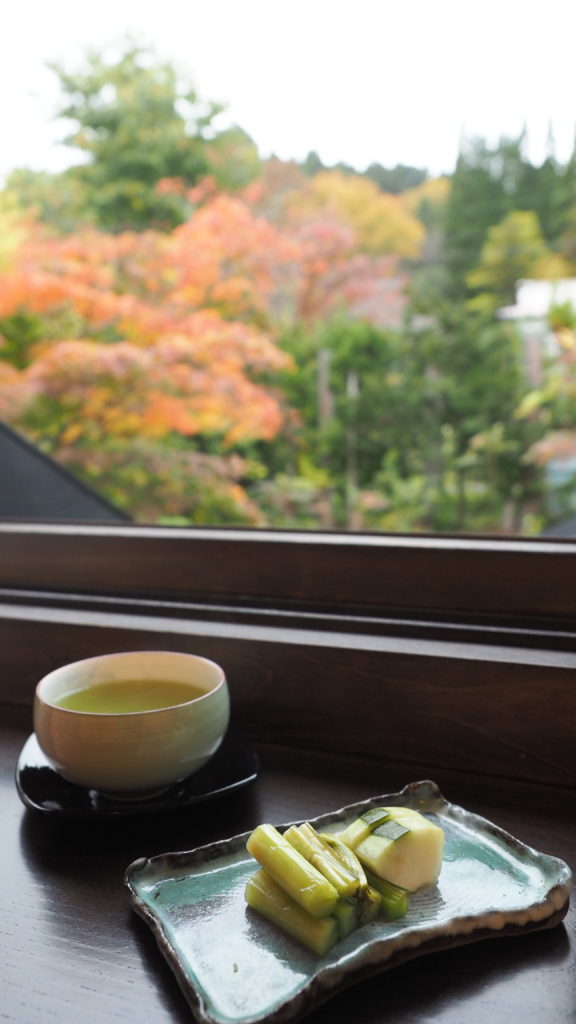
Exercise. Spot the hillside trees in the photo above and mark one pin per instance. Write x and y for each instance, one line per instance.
(394, 180)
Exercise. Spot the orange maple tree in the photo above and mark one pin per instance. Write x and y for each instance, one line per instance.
(154, 348)
(148, 336)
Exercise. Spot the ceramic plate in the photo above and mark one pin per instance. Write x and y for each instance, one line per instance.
(41, 788)
(234, 966)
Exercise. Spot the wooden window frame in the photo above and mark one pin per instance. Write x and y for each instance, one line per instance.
(457, 579)
(436, 653)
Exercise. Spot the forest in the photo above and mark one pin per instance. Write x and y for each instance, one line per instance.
(206, 336)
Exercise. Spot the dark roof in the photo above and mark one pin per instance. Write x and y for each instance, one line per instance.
(34, 486)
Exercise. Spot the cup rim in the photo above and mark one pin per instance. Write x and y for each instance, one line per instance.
(124, 714)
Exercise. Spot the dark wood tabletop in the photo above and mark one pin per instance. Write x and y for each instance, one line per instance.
(72, 949)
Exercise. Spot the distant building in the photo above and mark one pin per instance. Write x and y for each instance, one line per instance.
(534, 300)
(530, 313)
(33, 486)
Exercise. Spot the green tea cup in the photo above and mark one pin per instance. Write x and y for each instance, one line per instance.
(131, 722)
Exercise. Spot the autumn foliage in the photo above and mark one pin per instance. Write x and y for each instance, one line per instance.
(138, 339)
(158, 336)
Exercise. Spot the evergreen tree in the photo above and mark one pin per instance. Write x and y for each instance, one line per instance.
(483, 183)
(488, 184)
(138, 124)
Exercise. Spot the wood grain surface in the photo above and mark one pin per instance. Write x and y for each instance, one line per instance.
(72, 950)
(486, 710)
(452, 576)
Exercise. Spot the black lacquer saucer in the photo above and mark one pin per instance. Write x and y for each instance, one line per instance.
(40, 788)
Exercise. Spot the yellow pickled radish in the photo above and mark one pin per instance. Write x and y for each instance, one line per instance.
(411, 857)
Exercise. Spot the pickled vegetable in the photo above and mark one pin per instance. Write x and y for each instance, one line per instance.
(300, 879)
(361, 827)
(393, 899)
(320, 887)
(406, 849)
(307, 841)
(273, 902)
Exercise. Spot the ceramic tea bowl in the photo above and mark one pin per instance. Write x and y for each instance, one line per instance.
(134, 751)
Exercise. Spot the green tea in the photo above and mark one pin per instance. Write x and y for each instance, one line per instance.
(127, 695)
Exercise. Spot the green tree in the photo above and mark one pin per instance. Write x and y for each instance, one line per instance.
(405, 429)
(411, 429)
(489, 183)
(343, 396)
(483, 182)
(459, 457)
(137, 124)
(568, 240)
(513, 249)
(549, 190)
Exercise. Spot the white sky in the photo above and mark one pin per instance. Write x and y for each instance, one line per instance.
(394, 81)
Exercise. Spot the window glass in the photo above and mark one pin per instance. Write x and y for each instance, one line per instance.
(304, 266)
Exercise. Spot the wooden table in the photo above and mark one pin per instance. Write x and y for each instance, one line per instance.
(72, 950)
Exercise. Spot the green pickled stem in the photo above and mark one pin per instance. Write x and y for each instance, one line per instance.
(295, 837)
(344, 883)
(301, 880)
(346, 914)
(266, 897)
(369, 905)
(346, 857)
(394, 900)
(310, 836)
(306, 841)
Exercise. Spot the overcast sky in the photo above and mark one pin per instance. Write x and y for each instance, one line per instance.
(356, 80)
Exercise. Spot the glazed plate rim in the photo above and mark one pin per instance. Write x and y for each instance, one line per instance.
(379, 953)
